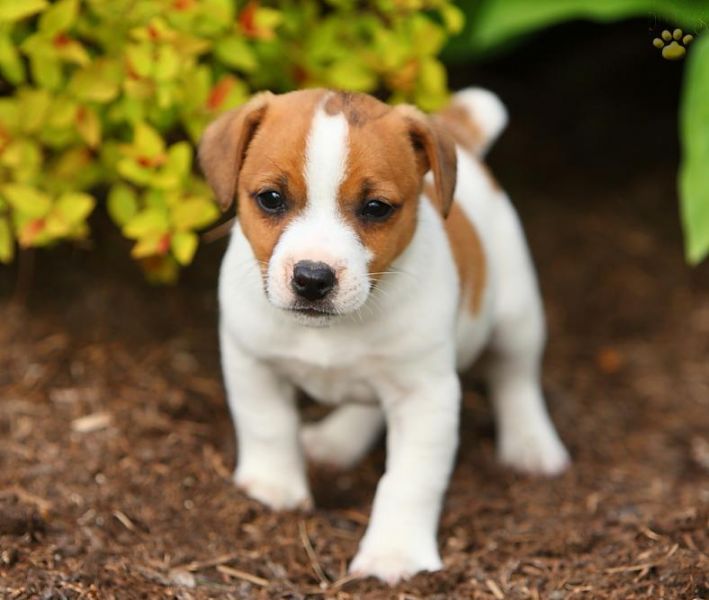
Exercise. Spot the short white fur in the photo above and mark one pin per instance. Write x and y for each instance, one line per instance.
(325, 161)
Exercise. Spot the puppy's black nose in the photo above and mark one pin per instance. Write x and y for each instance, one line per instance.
(312, 280)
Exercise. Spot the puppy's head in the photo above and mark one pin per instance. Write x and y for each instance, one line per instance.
(327, 187)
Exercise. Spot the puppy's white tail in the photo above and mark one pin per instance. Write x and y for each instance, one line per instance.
(475, 118)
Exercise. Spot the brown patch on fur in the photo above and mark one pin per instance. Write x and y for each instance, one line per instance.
(359, 109)
(468, 254)
(224, 145)
(275, 161)
(382, 164)
(390, 151)
(456, 120)
(435, 151)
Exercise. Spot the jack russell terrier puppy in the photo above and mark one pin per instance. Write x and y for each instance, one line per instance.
(362, 271)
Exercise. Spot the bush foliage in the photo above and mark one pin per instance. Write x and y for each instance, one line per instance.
(103, 100)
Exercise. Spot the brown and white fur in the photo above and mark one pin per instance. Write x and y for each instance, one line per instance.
(416, 297)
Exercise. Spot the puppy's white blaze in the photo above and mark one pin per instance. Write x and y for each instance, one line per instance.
(320, 233)
(325, 161)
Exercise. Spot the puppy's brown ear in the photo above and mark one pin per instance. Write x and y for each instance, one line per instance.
(224, 144)
(435, 151)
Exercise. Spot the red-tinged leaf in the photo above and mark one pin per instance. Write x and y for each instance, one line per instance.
(183, 4)
(247, 19)
(153, 32)
(31, 230)
(300, 75)
(160, 269)
(220, 92)
(164, 244)
(60, 40)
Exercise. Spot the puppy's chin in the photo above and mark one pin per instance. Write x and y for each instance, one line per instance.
(313, 319)
(320, 314)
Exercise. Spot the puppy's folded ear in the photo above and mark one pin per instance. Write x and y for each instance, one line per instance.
(224, 144)
(435, 152)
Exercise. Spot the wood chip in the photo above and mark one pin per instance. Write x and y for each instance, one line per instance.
(495, 589)
(238, 574)
(212, 562)
(310, 551)
(44, 506)
(92, 422)
(182, 578)
(127, 523)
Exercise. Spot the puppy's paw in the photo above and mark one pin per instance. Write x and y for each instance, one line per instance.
(535, 451)
(321, 446)
(284, 493)
(392, 564)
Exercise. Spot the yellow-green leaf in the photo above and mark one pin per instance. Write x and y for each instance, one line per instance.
(59, 17)
(27, 200)
(10, 62)
(179, 158)
(133, 172)
(266, 20)
(89, 126)
(147, 141)
(74, 207)
(62, 112)
(46, 71)
(184, 245)
(194, 213)
(350, 74)
(122, 203)
(148, 222)
(140, 58)
(35, 104)
(235, 52)
(167, 63)
(14, 10)
(73, 52)
(453, 18)
(22, 156)
(7, 242)
(97, 82)
(151, 244)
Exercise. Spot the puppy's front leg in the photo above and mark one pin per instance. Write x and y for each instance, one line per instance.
(422, 436)
(271, 467)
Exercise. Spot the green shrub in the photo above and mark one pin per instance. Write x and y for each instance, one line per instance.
(103, 100)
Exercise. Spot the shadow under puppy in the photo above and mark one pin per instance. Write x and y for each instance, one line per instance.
(352, 274)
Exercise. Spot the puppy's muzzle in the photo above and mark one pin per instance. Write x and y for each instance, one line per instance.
(313, 281)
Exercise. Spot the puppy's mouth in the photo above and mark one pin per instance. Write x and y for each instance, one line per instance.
(314, 310)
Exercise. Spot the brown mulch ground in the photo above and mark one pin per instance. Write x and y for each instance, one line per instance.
(116, 446)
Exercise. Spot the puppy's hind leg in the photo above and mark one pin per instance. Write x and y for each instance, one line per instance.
(526, 438)
(343, 437)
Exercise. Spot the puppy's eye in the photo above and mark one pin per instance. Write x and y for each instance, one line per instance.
(376, 210)
(271, 202)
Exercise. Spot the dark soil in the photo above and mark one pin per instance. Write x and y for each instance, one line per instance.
(135, 501)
